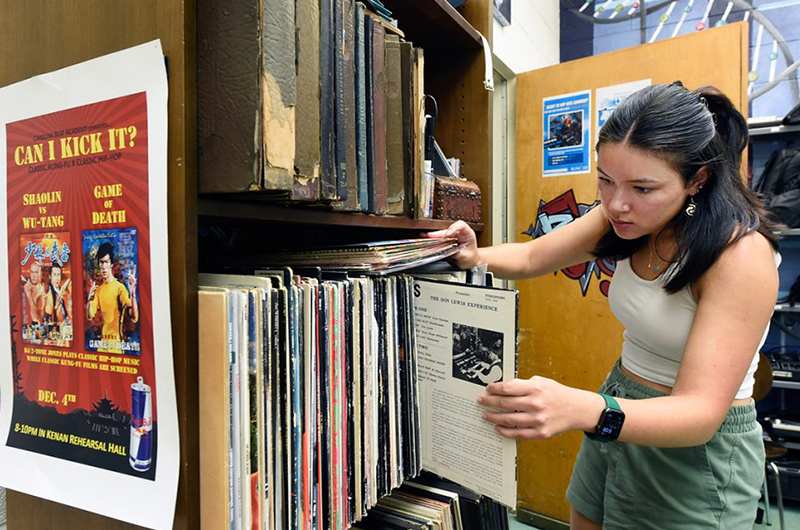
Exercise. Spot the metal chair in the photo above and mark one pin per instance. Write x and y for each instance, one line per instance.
(762, 387)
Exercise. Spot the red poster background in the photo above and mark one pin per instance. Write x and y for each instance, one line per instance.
(129, 167)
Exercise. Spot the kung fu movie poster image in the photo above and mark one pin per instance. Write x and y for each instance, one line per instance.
(110, 279)
(80, 300)
(46, 289)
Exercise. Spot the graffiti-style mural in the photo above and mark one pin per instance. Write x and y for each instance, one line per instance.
(561, 211)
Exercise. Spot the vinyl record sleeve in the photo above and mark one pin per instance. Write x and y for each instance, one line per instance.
(349, 386)
(467, 338)
(326, 456)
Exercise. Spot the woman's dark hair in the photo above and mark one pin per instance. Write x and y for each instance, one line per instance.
(689, 130)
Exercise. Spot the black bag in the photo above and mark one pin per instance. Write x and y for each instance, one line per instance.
(793, 116)
(780, 186)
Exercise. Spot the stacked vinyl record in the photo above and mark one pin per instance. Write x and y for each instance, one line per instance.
(379, 258)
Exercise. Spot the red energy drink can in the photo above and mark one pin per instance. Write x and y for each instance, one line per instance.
(141, 448)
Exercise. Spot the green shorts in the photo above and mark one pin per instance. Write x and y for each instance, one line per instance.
(716, 485)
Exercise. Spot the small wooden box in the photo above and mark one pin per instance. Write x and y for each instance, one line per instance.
(456, 199)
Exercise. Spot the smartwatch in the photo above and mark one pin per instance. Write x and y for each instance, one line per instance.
(610, 423)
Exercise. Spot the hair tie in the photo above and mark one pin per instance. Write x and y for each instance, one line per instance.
(704, 102)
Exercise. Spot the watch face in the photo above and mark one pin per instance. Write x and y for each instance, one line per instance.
(610, 424)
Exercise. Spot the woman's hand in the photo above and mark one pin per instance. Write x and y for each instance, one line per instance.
(468, 257)
(539, 408)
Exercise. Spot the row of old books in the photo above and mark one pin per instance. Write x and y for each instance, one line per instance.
(311, 395)
(310, 100)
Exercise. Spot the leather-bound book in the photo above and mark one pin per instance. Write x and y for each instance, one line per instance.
(395, 162)
(361, 107)
(348, 116)
(279, 93)
(419, 130)
(379, 115)
(307, 146)
(407, 99)
(327, 67)
(228, 97)
(340, 159)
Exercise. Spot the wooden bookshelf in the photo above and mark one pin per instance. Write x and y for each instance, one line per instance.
(434, 22)
(77, 30)
(454, 75)
(221, 208)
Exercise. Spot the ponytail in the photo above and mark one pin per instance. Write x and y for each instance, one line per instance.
(728, 122)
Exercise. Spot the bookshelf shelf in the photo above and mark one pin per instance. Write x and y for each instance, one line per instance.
(214, 208)
(434, 22)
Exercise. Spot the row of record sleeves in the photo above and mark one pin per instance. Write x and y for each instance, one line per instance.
(309, 405)
(432, 503)
(310, 100)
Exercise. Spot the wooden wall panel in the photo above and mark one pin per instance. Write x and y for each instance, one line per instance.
(565, 335)
(457, 80)
(38, 36)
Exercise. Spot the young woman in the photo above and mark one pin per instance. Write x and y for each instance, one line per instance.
(672, 439)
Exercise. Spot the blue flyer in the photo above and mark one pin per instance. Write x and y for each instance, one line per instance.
(567, 134)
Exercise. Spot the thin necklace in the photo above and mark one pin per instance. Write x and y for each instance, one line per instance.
(651, 264)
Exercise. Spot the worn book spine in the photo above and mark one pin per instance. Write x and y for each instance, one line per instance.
(361, 108)
(339, 101)
(370, 131)
(279, 93)
(395, 168)
(307, 140)
(349, 113)
(407, 98)
(419, 131)
(327, 107)
(228, 97)
(379, 115)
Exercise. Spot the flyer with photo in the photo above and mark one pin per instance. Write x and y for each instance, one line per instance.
(87, 395)
(566, 134)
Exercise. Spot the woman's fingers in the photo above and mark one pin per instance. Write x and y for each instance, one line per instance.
(502, 402)
(438, 233)
(519, 434)
(511, 420)
(514, 387)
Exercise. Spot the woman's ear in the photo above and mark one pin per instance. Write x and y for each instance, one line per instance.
(699, 179)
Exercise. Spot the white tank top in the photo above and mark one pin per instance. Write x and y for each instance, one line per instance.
(657, 326)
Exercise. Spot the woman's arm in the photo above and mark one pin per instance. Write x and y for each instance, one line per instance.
(568, 245)
(736, 299)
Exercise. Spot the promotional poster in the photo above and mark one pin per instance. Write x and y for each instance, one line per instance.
(608, 98)
(567, 137)
(87, 397)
